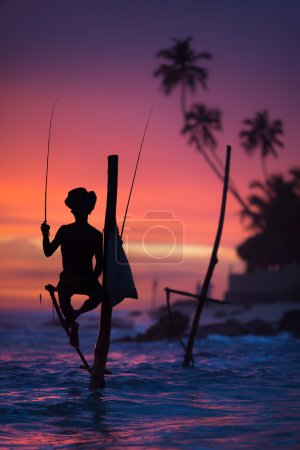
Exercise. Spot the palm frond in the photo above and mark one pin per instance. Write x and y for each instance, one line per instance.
(262, 134)
(180, 67)
(204, 55)
(258, 185)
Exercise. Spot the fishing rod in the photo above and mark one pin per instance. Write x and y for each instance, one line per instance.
(47, 163)
(136, 166)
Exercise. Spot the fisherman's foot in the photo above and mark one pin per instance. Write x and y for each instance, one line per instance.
(74, 338)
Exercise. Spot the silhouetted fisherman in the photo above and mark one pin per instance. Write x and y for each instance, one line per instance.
(79, 243)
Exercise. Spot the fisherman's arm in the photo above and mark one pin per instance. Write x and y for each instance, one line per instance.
(50, 247)
(99, 257)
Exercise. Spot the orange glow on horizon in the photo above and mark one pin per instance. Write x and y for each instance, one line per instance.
(90, 124)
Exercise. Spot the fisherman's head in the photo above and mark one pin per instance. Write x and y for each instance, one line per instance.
(81, 202)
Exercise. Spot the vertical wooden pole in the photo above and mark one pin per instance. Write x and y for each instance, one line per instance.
(213, 261)
(103, 339)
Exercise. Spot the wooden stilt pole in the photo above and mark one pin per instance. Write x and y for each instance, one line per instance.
(213, 261)
(103, 339)
(51, 289)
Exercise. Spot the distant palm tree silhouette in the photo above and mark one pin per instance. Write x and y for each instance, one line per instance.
(262, 134)
(200, 122)
(181, 70)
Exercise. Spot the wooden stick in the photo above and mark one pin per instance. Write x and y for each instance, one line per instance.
(103, 339)
(51, 289)
(189, 294)
(213, 261)
(168, 291)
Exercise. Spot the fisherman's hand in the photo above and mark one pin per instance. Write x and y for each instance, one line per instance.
(45, 229)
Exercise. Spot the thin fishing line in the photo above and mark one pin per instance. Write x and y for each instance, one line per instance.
(47, 162)
(136, 166)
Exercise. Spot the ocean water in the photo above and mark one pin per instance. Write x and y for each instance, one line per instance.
(242, 393)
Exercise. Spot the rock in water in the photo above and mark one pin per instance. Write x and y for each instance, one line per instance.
(165, 328)
(291, 322)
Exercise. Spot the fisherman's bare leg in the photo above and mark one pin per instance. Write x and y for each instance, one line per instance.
(65, 294)
(94, 300)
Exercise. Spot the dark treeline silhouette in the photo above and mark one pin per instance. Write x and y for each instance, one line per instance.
(274, 221)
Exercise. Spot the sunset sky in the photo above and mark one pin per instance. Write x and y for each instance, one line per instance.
(97, 58)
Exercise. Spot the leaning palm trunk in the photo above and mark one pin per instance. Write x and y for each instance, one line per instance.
(188, 357)
(233, 190)
(217, 166)
(264, 167)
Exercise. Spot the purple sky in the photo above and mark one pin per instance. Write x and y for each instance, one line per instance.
(97, 58)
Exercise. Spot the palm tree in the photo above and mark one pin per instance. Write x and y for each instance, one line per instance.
(275, 203)
(295, 173)
(262, 134)
(200, 122)
(181, 69)
(274, 219)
